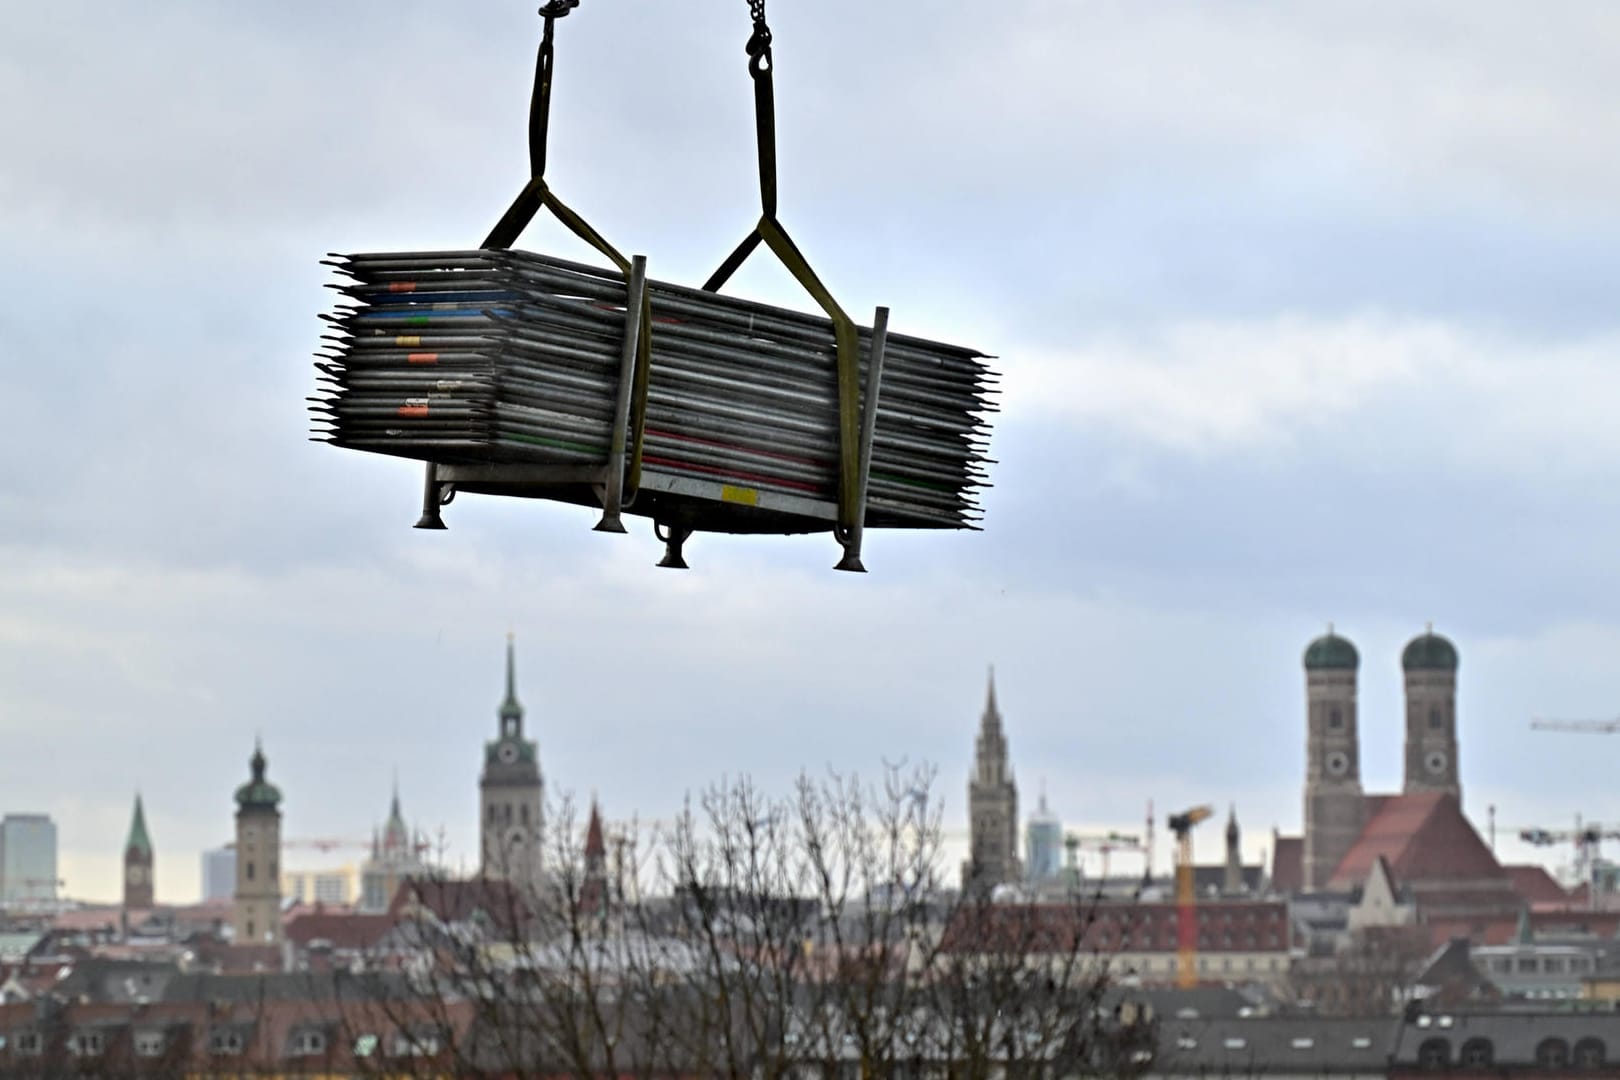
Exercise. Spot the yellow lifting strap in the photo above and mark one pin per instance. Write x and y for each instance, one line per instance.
(770, 231)
(536, 194)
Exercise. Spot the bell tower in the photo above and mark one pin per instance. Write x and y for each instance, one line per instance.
(511, 794)
(1335, 808)
(138, 862)
(992, 806)
(256, 917)
(1429, 663)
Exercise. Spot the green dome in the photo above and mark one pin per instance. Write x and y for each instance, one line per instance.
(1330, 652)
(258, 793)
(1429, 652)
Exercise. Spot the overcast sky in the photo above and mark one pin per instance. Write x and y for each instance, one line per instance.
(1306, 313)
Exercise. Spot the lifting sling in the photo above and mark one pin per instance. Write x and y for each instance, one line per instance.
(771, 232)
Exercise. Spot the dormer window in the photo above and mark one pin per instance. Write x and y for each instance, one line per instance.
(87, 1044)
(310, 1042)
(509, 727)
(225, 1043)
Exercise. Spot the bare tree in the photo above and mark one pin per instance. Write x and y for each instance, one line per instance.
(760, 936)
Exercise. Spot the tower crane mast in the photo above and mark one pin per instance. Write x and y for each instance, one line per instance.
(1182, 825)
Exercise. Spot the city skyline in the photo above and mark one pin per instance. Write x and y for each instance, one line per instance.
(1303, 317)
(333, 848)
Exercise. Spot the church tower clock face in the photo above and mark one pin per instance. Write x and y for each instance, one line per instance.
(1435, 762)
(1338, 763)
(135, 875)
(508, 753)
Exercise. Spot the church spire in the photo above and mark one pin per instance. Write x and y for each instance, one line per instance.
(511, 711)
(992, 714)
(139, 841)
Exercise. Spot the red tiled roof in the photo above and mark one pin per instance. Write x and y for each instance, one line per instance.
(1424, 837)
(1288, 864)
(457, 901)
(1537, 887)
(343, 930)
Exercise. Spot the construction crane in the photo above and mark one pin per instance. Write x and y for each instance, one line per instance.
(1586, 837)
(1186, 895)
(1105, 844)
(1600, 727)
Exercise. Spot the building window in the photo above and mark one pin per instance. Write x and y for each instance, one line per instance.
(30, 1043)
(249, 871)
(416, 1044)
(1552, 1054)
(1477, 1054)
(225, 1043)
(1590, 1054)
(1527, 965)
(308, 1043)
(1552, 965)
(249, 934)
(87, 1044)
(149, 1044)
(1434, 1054)
(1335, 719)
(525, 813)
(1434, 719)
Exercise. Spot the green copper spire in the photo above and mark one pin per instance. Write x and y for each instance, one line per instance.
(139, 841)
(510, 708)
(258, 793)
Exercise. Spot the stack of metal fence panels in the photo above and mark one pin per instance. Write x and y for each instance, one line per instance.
(509, 358)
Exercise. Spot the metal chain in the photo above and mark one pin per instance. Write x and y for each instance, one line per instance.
(759, 43)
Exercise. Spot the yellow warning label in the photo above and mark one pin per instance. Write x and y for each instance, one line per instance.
(408, 339)
(746, 496)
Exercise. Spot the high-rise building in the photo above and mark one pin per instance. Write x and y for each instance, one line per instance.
(256, 919)
(334, 886)
(219, 873)
(510, 792)
(27, 859)
(1043, 844)
(992, 806)
(138, 887)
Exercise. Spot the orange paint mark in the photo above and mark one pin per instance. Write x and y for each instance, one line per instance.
(422, 358)
(413, 410)
(402, 286)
